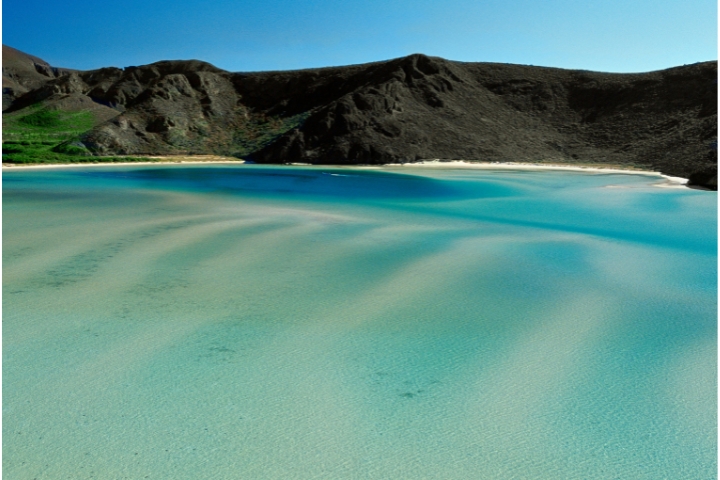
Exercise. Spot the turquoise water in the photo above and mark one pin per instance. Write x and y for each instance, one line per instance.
(276, 322)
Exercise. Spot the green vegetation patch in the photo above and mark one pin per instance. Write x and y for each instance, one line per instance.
(26, 152)
(41, 135)
(40, 124)
(68, 148)
(42, 119)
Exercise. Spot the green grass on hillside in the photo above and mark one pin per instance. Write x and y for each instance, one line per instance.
(42, 119)
(40, 135)
(26, 152)
(40, 124)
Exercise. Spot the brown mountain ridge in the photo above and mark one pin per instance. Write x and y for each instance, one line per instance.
(402, 110)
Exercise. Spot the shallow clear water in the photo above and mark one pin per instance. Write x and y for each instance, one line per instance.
(276, 322)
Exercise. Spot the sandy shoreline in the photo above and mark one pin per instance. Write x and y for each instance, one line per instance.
(668, 182)
(161, 160)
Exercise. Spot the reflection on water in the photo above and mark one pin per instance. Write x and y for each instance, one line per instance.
(276, 322)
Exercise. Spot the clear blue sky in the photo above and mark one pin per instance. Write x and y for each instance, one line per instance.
(250, 35)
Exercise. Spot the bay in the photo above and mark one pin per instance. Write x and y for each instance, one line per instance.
(315, 322)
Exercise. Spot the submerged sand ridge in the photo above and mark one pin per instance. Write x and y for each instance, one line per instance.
(215, 321)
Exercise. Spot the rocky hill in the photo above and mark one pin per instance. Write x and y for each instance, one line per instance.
(22, 73)
(401, 110)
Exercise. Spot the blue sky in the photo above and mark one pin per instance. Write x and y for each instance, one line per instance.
(603, 35)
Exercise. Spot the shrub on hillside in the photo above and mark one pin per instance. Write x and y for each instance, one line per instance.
(42, 118)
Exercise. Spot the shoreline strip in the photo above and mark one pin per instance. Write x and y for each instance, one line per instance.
(670, 181)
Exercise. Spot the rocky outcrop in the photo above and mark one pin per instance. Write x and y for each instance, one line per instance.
(169, 108)
(706, 178)
(22, 73)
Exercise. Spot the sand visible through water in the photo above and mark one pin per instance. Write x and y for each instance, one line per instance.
(303, 322)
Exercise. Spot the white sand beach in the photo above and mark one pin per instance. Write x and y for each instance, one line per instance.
(161, 160)
(668, 182)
